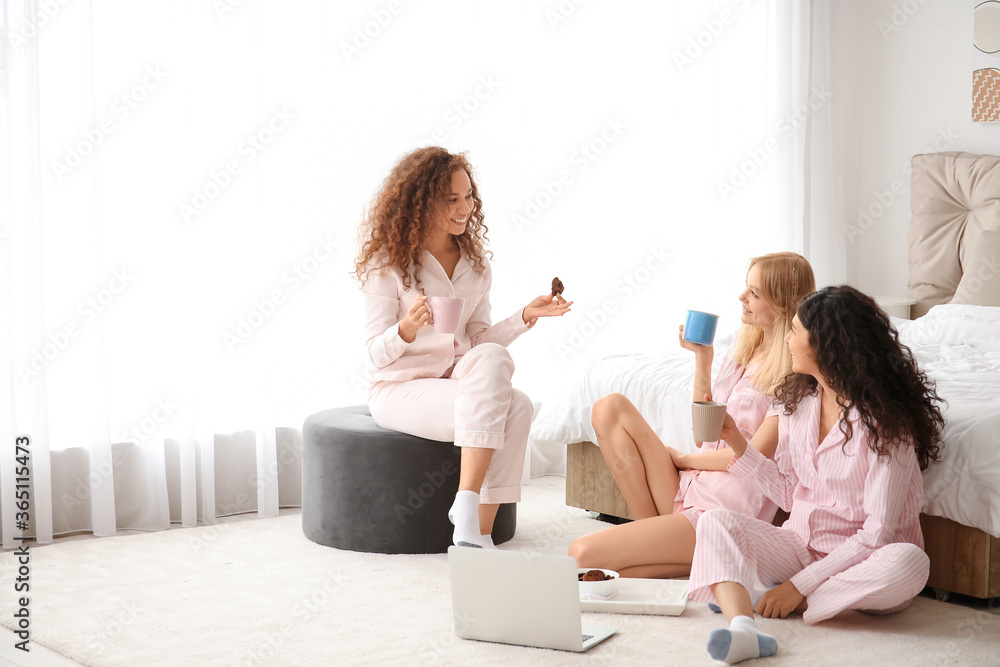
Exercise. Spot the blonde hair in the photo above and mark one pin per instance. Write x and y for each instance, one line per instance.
(785, 278)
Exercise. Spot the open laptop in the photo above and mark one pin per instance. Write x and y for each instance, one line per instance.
(515, 597)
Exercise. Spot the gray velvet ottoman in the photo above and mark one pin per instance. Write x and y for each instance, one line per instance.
(365, 488)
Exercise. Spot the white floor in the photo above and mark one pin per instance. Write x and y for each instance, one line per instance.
(551, 488)
(549, 494)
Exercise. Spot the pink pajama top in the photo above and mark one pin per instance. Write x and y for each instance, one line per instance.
(708, 489)
(431, 354)
(845, 502)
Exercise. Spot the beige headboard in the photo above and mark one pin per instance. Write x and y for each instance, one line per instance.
(954, 197)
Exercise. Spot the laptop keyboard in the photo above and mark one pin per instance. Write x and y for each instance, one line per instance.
(586, 637)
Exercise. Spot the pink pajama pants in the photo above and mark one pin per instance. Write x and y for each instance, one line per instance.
(475, 407)
(733, 547)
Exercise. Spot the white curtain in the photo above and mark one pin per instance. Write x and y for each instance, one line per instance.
(182, 184)
(813, 169)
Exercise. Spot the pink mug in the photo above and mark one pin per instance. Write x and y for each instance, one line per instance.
(446, 312)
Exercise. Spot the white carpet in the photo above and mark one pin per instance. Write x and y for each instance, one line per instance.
(257, 592)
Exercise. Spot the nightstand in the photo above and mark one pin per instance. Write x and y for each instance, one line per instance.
(896, 306)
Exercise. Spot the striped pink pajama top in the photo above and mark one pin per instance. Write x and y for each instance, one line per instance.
(845, 502)
(853, 536)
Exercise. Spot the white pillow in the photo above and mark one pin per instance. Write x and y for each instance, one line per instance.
(954, 324)
(980, 284)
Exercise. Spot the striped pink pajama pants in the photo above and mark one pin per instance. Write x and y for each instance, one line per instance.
(734, 547)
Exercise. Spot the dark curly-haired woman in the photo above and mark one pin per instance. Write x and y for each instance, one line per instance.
(423, 237)
(860, 421)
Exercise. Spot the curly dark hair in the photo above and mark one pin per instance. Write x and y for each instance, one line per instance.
(400, 218)
(860, 357)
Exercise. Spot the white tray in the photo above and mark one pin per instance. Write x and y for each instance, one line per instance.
(667, 597)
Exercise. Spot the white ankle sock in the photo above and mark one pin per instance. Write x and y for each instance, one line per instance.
(741, 641)
(487, 541)
(464, 514)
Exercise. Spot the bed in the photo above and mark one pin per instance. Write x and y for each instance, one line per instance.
(954, 250)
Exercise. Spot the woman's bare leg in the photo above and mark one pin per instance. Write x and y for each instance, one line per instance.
(733, 599)
(475, 461)
(636, 457)
(487, 515)
(658, 546)
(664, 571)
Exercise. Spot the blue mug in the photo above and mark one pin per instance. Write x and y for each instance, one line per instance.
(700, 327)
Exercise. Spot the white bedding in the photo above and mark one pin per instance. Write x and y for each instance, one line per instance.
(660, 385)
(958, 347)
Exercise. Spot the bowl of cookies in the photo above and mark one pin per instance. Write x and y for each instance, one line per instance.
(597, 582)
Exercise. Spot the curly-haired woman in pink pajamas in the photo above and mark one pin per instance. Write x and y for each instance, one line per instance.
(424, 236)
(860, 421)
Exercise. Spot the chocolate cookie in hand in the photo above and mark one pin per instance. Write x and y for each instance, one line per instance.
(557, 286)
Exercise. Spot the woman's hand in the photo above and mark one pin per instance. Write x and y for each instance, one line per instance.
(545, 306)
(781, 601)
(419, 315)
(731, 434)
(679, 459)
(706, 351)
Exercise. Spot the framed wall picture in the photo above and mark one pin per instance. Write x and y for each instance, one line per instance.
(986, 75)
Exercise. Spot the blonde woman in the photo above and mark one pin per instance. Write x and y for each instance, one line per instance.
(666, 490)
